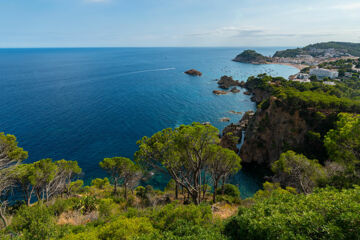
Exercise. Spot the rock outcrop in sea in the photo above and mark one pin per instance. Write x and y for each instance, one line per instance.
(226, 82)
(234, 90)
(220, 92)
(225, 119)
(193, 72)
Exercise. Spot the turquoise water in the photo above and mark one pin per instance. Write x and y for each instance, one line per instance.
(89, 103)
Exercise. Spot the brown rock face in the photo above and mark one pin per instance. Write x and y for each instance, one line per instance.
(193, 72)
(270, 132)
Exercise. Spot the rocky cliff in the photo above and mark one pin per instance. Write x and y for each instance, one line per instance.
(271, 132)
(276, 128)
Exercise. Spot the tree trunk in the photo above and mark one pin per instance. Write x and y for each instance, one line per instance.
(204, 186)
(3, 218)
(223, 186)
(26, 197)
(195, 197)
(125, 188)
(199, 191)
(115, 187)
(176, 191)
(29, 197)
(38, 195)
(214, 194)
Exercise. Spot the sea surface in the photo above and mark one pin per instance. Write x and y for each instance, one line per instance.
(86, 104)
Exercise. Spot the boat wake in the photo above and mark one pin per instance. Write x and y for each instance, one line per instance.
(144, 71)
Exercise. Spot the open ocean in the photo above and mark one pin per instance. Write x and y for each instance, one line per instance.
(86, 104)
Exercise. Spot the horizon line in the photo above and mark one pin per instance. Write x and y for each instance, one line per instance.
(72, 47)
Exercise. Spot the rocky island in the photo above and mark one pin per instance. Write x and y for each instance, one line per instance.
(251, 56)
(226, 82)
(193, 72)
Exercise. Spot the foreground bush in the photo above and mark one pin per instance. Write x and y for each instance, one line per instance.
(34, 223)
(173, 216)
(325, 214)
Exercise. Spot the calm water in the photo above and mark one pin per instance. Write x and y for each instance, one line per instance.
(87, 104)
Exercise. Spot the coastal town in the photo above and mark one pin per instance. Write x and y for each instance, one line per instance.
(328, 65)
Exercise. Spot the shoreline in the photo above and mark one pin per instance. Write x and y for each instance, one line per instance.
(298, 66)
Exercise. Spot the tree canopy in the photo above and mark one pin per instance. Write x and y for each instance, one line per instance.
(298, 171)
(123, 171)
(187, 153)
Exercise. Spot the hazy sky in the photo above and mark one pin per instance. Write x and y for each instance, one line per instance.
(83, 23)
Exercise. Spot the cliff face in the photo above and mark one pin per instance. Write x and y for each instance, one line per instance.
(271, 132)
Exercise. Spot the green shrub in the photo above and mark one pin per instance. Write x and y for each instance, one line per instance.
(173, 216)
(126, 228)
(100, 183)
(229, 190)
(106, 207)
(88, 234)
(324, 214)
(193, 232)
(75, 186)
(35, 223)
(62, 205)
(140, 192)
(86, 204)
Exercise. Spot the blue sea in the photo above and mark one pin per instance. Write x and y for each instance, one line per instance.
(86, 104)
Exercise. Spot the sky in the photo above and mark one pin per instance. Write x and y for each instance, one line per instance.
(176, 23)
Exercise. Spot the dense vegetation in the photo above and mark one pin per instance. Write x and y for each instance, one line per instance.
(279, 214)
(351, 48)
(343, 97)
(313, 195)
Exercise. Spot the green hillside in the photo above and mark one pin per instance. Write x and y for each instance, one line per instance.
(345, 47)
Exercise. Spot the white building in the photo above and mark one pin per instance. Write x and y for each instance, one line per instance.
(302, 80)
(303, 76)
(329, 83)
(323, 73)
